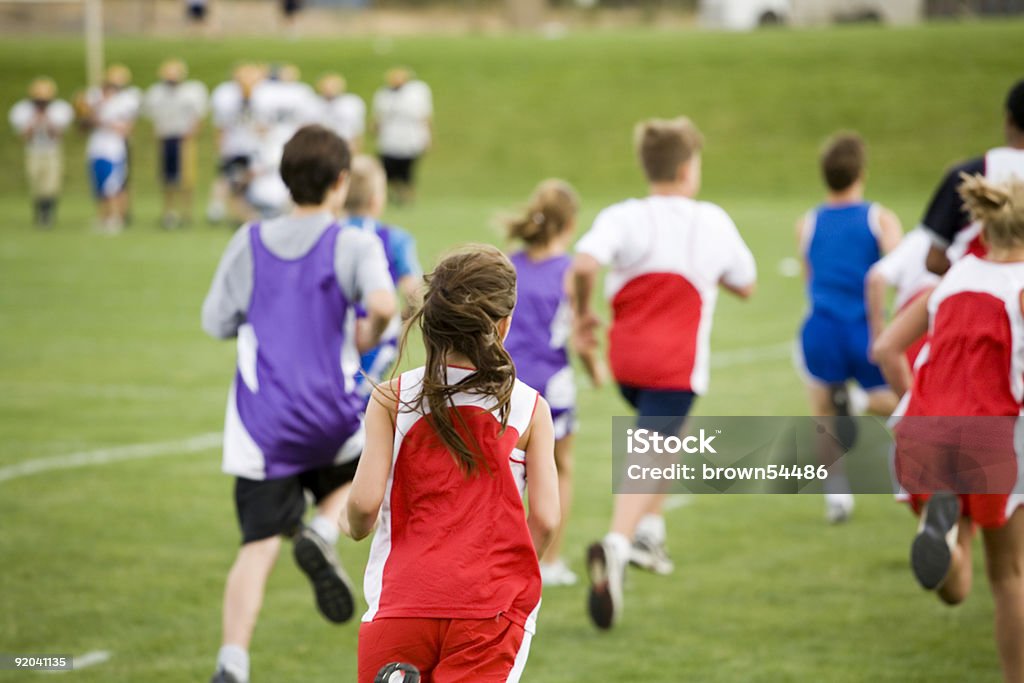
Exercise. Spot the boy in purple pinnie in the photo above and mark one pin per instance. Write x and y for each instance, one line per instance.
(539, 336)
(287, 289)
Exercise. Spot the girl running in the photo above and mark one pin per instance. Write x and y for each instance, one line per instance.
(453, 581)
(540, 334)
(972, 369)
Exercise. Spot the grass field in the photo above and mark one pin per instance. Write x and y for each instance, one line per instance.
(101, 347)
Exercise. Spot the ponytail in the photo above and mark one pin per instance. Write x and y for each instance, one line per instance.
(999, 207)
(551, 210)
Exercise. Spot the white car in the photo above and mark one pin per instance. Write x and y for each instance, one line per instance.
(743, 15)
(746, 15)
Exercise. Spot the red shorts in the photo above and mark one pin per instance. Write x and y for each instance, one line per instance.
(445, 650)
(989, 511)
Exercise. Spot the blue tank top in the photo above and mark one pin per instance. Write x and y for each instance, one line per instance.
(301, 413)
(840, 246)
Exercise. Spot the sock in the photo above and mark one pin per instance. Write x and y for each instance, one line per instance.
(325, 529)
(235, 660)
(620, 546)
(652, 528)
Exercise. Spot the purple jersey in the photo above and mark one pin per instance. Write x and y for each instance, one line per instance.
(540, 329)
(297, 407)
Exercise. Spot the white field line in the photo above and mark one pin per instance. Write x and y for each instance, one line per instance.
(102, 456)
(202, 442)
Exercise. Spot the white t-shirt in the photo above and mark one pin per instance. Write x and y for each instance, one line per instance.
(233, 116)
(175, 109)
(57, 115)
(667, 257)
(904, 267)
(289, 105)
(345, 115)
(403, 116)
(105, 142)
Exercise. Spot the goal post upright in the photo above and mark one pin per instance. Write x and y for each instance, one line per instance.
(92, 28)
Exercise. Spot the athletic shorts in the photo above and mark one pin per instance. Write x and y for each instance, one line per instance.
(236, 170)
(108, 177)
(401, 169)
(446, 650)
(196, 12)
(834, 351)
(660, 410)
(291, 6)
(275, 507)
(954, 454)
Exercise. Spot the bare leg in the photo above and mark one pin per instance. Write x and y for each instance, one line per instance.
(243, 595)
(1004, 554)
(882, 402)
(564, 463)
(333, 506)
(957, 585)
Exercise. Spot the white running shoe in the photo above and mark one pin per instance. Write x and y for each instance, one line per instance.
(557, 573)
(838, 507)
(651, 556)
(605, 570)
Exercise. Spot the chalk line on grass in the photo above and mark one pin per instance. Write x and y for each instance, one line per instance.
(102, 456)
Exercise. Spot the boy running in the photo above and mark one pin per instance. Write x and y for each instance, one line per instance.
(840, 241)
(667, 254)
(287, 289)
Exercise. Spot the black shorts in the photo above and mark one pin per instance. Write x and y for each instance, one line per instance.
(275, 507)
(196, 11)
(290, 7)
(660, 410)
(398, 168)
(236, 170)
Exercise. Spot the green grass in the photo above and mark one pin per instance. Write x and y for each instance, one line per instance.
(100, 346)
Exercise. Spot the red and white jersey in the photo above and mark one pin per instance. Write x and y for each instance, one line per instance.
(452, 545)
(667, 257)
(1001, 164)
(975, 361)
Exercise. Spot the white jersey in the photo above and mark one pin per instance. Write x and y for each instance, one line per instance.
(345, 115)
(233, 117)
(904, 267)
(46, 125)
(175, 109)
(667, 256)
(285, 105)
(403, 116)
(1001, 164)
(109, 113)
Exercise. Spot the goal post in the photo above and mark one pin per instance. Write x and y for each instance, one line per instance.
(92, 29)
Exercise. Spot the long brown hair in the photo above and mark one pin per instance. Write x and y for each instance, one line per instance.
(552, 209)
(469, 292)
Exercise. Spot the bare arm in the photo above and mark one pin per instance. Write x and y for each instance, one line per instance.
(583, 276)
(541, 477)
(890, 347)
(937, 261)
(371, 478)
(875, 288)
(380, 309)
(588, 356)
(891, 231)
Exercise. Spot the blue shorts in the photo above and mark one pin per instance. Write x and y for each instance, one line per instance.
(660, 410)
(108, 177)
(374, 364)
(170, 161)
(835, 351)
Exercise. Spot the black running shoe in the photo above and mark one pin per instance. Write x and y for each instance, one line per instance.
(315, 557)
(223, 676)
(931, 553)
(398, 672)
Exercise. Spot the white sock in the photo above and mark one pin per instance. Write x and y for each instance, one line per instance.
(859, 400)
(325, 529)
(620, 546)
(234, 660)
(652, 528)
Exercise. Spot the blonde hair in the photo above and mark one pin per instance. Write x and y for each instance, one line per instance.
(663, 145)
(551, 210)
(367, 182)
(999, 207)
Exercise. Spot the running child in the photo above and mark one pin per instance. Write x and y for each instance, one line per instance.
(840, 241)
(972, 370)
(367, 196)
(540, 334)
(453, 581)
(286, 289)
(668, 254)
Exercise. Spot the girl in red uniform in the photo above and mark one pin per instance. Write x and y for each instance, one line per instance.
(956, 440)
(453, 582)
